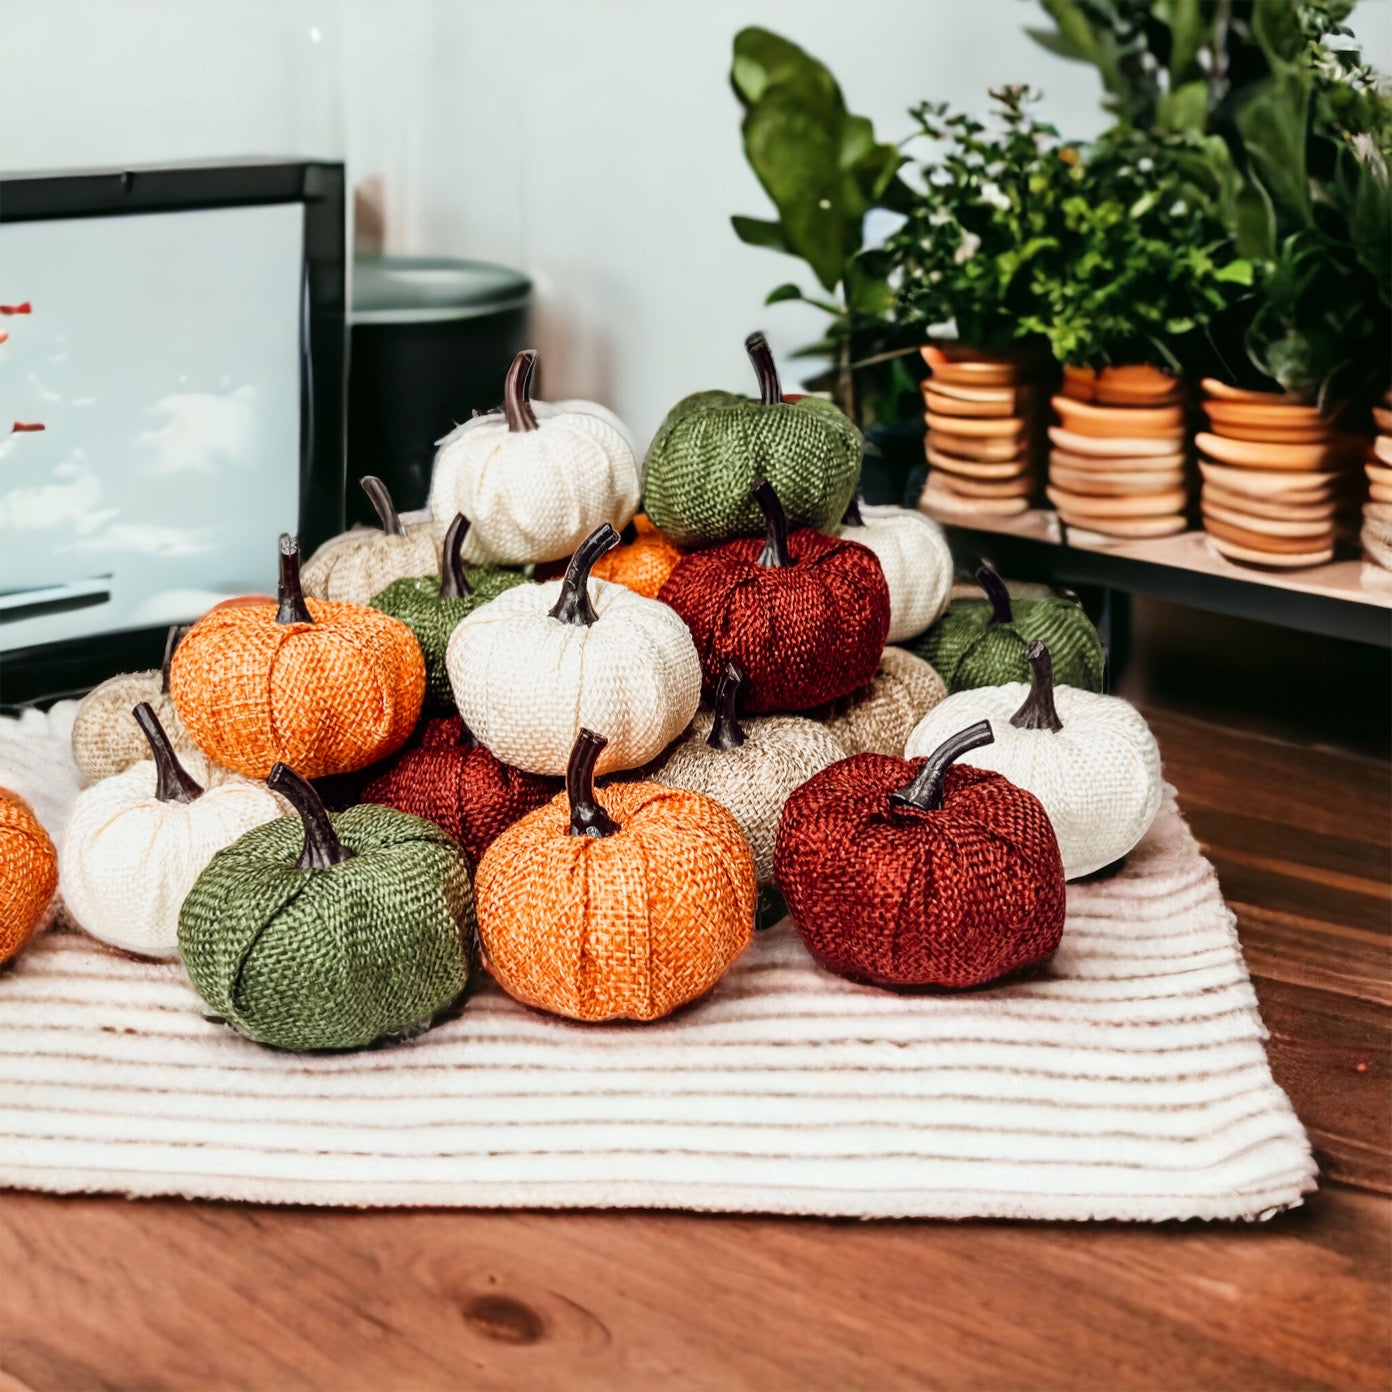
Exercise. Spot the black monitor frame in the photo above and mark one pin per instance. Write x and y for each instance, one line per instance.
(46, 671)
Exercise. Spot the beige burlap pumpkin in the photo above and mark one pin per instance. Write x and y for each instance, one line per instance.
(879, 717)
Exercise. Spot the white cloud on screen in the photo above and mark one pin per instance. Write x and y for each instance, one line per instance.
(147, 539)
(74, 503)
(200, 430)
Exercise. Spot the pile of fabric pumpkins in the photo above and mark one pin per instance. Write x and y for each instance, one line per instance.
(595, 777)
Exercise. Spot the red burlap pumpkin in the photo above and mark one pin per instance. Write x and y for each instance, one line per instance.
(445, 776)
(919, 872)
(804, 615)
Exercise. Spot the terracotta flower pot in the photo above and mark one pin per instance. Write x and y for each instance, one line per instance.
(1129, 384)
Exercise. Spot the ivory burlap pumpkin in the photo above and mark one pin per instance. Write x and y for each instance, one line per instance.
(1091, 760)
(921, 873)
(643, 562)
(913, 553)
(331, 932)
(431, 606)
(803, 615)
(748, 767)
(714, 446)
(879, 718)
(983, 642)
(137, 841)
(534, 485)
(105, 739)
(620, 910)
(355, 565)
(447, 777)
(334, 687)
(28, 874)
(541, 662)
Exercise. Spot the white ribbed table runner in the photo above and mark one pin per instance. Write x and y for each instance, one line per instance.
(1128, 1082)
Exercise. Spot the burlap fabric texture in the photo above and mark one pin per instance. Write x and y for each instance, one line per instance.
(106, 740)
(913, 553)
(336, 958)
(462, 788)
(28, 874)
(357, 564)
(899, 896)
(643, 564)
(879, 717)
(626, 926)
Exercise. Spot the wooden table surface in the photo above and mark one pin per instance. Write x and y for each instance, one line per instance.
(99, 1292)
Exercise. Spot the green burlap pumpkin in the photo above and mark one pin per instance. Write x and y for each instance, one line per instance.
(432, 605)
(982, 642)
(319, 932)
(713, 447)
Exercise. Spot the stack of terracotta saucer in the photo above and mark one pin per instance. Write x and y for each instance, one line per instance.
(1376, 535)
(981, 414)
(1275, 476)
(1117, 466)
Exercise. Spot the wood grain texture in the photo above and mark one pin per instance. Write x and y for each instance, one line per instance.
(106, 1293)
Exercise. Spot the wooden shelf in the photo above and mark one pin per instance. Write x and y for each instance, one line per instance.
(1345, 599)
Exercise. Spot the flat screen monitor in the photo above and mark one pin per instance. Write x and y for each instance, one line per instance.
(171, 399)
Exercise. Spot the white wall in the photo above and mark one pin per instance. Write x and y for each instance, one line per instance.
(593, 143)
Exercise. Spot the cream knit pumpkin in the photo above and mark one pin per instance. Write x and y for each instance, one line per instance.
(534, 481)
(879, 718)
(533, 667)
(133, 845)
(361, 562)
(750, 766)
(912, 551)
(1091, 760)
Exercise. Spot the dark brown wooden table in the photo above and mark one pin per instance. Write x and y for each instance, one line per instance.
(103, 1292)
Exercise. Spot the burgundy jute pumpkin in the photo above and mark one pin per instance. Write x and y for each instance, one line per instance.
(920, 872)
(804, 615)
(445, 776)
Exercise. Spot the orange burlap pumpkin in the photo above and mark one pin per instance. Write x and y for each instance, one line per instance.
(28, 873)
(320, 686)
(643, 562)
(621, 911)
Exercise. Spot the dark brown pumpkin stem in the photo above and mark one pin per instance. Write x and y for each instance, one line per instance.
(382, 504)
(322, 848)
(761, 355)
(851, 517)
(990, 581)
(587, 817)
(517, 400)
(725, 728)
(573, 606)
(172, 639)
(453, 584)
(1038, 711)
(775, 552)
(293, 608)
(926, 791)
(173, 782)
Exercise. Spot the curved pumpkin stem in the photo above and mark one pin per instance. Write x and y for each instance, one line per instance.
(775, 552)
(453, 585)
(573, 605)
(761, 355)
(382, 504)
(1038, 711)
(587, 817)
(926, 791)
(172, 639)
(990, 581)
(517, 389)
(293, 608)
(322, 848)
(851, 517)
(725, 728)
(173, 782)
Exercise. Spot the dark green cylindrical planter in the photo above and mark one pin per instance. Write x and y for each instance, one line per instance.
(431, 606)
(331, 932)
(713, 446)
(982, 642)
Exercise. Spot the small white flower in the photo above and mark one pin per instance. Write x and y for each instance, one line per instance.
(1178, 208)
(991, 194)
(1145, 165)
(967, 248)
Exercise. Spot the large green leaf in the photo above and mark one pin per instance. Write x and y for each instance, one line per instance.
(1274, 123)
(1190, 28)
(762, 58)
(760, 232)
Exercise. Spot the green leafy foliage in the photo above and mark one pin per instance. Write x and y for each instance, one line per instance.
(1107, 254)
